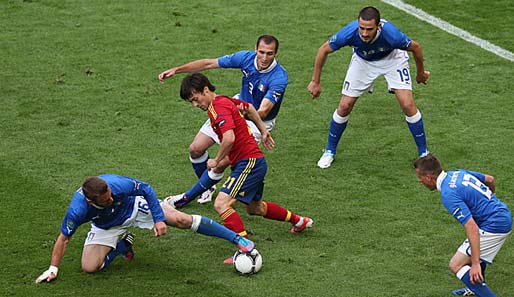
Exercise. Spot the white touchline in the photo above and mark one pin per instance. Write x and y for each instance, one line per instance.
(420, 14)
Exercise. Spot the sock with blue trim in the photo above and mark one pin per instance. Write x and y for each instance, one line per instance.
(417, 130)
(479, 289)
(206, 181)
(337, 127)
(200, 164)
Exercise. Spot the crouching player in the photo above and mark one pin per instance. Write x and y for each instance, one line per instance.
(469, 197)
(113, 204)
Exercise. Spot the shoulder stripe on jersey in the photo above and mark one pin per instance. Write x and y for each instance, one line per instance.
(241, 179)
(212, 111)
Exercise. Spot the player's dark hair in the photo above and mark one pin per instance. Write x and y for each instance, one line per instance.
(370, 13)
(428, 165)
(267, 39)
(194, 82)
(94, 187)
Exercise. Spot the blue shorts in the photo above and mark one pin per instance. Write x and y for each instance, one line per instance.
(246, 182)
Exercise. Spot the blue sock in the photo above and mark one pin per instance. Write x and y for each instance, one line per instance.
(121, 248)
(200, 167)
(202, 185)
(334, 135)
(417, 130)
(479, 289)
(209, 227)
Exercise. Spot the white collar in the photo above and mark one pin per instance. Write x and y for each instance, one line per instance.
(271, 66)
(440, 179)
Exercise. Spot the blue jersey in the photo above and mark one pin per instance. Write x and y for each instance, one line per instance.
(465, 195)
(256, 85)
(388, 38)
(124, 189)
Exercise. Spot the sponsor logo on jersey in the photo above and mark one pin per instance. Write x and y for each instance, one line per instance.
(70, 225)
(276, 95)
(242, 194)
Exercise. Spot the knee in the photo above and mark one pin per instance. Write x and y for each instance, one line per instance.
(344, 109)
(454, 266)
(196, 151)
(88, 267)
(219, 206)
(179, 219)
(183, 222)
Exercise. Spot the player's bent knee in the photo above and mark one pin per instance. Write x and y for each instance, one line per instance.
(195, 151)
(90, 267)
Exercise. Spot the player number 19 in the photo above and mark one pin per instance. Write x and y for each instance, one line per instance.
(404, 74)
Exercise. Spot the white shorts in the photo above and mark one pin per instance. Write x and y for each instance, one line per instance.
(207, 130)
(141, 217)
(361, 73)
(490, 245)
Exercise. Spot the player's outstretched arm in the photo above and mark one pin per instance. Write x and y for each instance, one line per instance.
(58, 252)
(194, 66)
(417, 52)
(314, 87)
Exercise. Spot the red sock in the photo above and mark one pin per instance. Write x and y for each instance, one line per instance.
(233, 221)
(278, 213)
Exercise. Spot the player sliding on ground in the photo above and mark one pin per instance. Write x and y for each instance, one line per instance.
(113, 204)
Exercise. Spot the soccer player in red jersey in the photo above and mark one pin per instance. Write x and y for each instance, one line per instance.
(246, 182)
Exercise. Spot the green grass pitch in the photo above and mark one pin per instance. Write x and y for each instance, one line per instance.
(79, 96)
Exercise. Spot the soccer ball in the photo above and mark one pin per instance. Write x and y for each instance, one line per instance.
(247, 263)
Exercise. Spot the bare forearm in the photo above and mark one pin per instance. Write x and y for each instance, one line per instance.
(321, 58)
(254, 116)
(198, 65)
(59, 248)
(473, 235)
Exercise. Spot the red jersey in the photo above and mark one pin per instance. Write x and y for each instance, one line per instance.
(225, 116)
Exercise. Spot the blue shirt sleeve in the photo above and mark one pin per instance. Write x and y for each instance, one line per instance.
(456, 207)
(76, 214)
(395, 37)
(277, 89)
(234, 60)
(343, 36)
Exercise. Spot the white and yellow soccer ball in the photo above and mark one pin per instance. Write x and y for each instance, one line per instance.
(248, 263)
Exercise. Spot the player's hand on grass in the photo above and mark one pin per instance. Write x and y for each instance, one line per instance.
(159, 229)
(314, 89)
(422, 78)
(49, 275)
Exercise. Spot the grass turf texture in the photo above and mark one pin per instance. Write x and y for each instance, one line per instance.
(80, 97)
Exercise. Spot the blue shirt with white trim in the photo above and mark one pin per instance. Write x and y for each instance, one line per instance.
(465, 195)
(258, 84)
(124, 190)
(388, 38)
